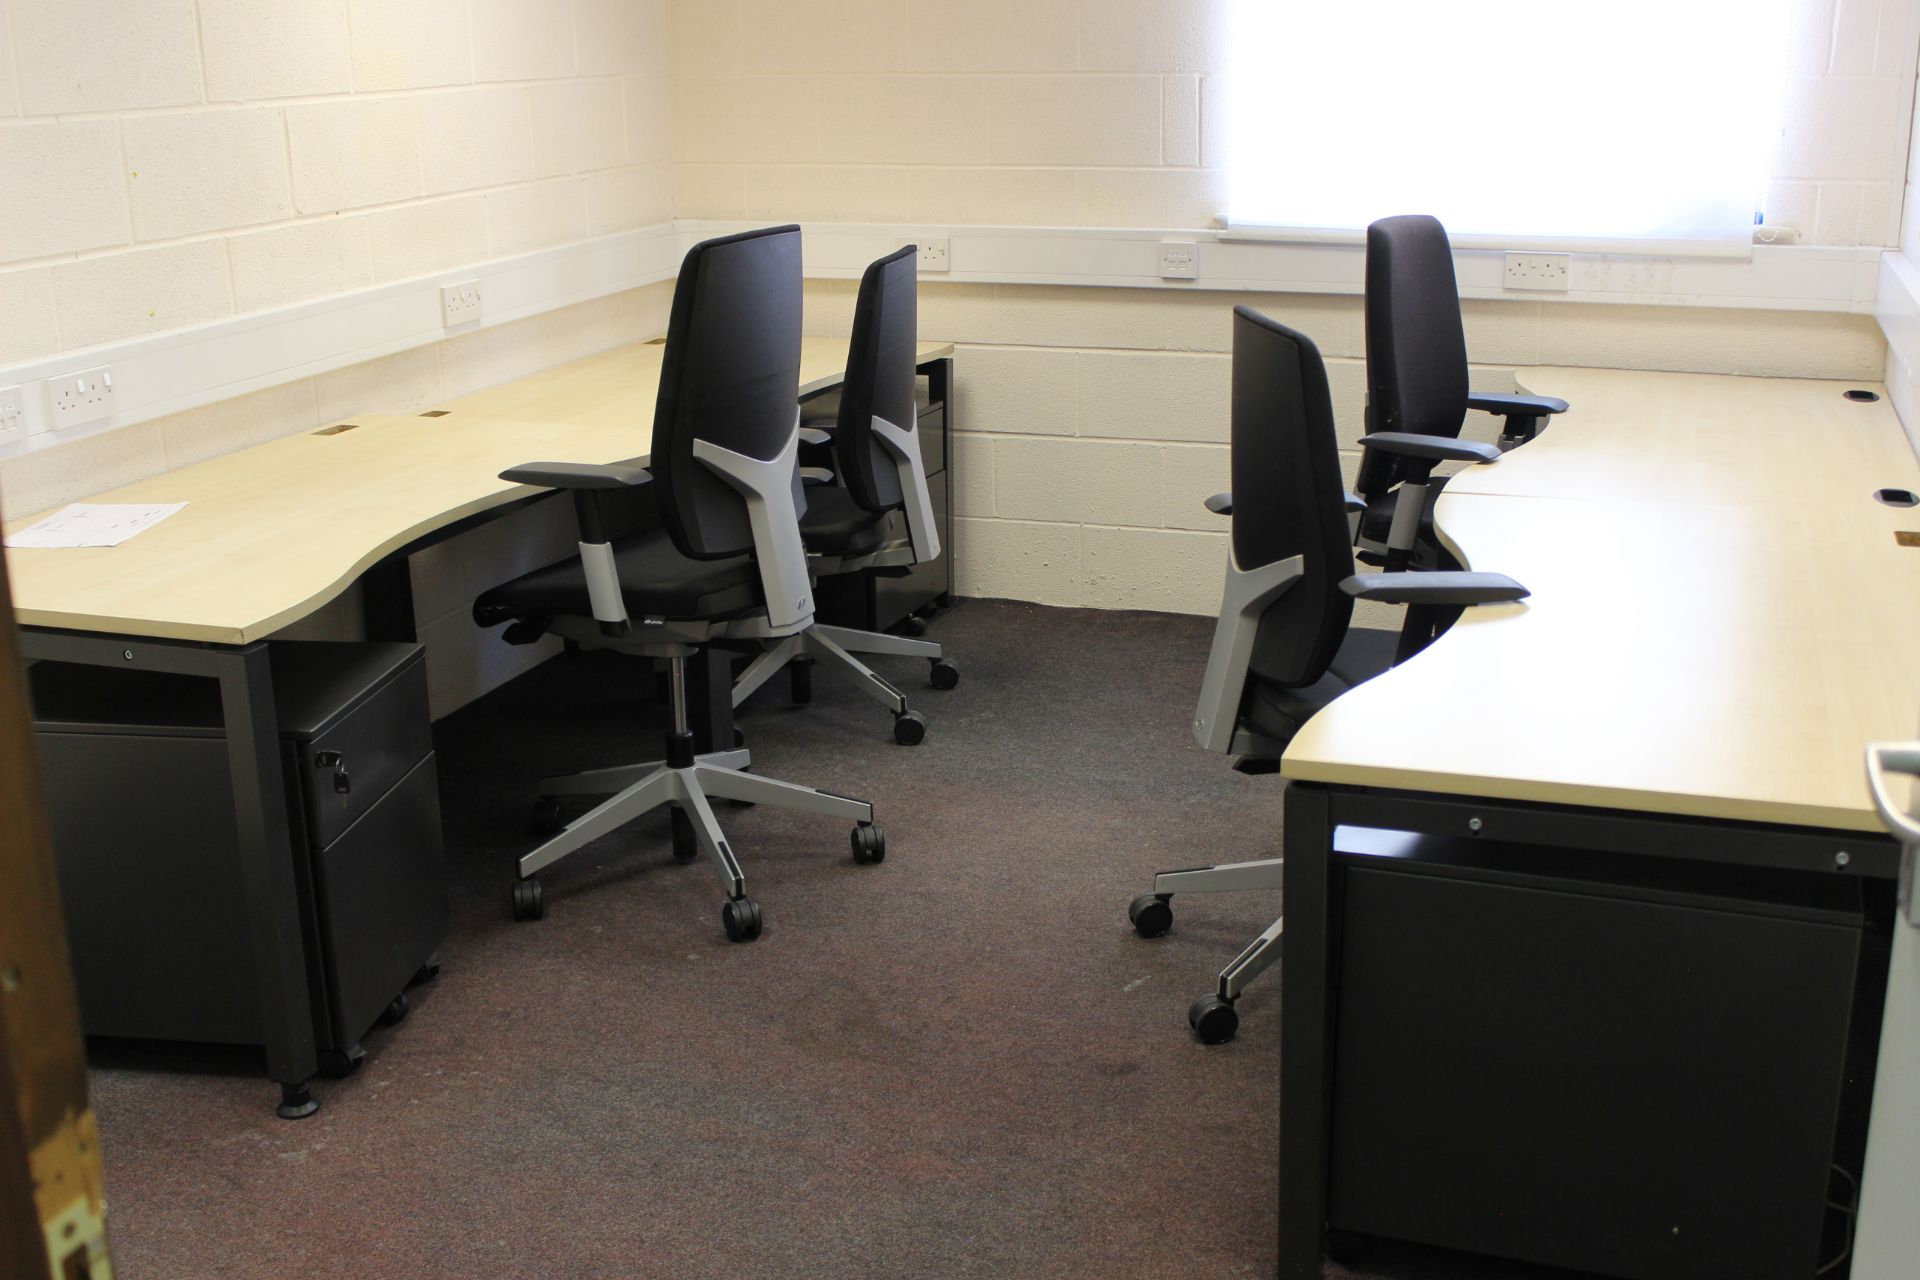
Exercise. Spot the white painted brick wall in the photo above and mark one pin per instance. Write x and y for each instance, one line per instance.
(1108, 112)
(166, 164)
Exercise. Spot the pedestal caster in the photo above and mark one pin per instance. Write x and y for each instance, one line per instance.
(396, 1011)
(909, 728)
(944, 674)
(338, 1064)
(1212, 1019)
(741, 917)
(427, 972)
(529, 900)
(913, 625)
(869, 843)
(546, 816)
(1152, 915)
(296, 1102)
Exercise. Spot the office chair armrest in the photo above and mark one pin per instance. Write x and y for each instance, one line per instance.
(1524, 414)
(815, 475)
(814, 435)
(1443, 587)
(1413, 444)
(589, 482)
(1355, 503)
(1221, 504)
(578, 475)
(1515, 406)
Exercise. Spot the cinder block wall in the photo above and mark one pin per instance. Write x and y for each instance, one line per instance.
(171, 164)
(1094, 420)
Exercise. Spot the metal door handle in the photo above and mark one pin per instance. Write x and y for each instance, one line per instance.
(1898, 757)
(1893, 757)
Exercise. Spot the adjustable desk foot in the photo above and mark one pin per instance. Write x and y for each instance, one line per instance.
(296, 1102)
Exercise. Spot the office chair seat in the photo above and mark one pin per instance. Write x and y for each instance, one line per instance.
(1278, 713)
(836, 525)
(655, 580)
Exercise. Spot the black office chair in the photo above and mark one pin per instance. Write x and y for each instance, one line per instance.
(850, 524)
(1417, 384)
(727, 566)
(1283, 647)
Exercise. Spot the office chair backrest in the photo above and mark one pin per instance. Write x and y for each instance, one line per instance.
(880, 379)
(1416, 349)
(729, 377)
(1288, 496)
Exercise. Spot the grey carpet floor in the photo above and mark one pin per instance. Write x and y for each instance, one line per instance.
(960, 1062)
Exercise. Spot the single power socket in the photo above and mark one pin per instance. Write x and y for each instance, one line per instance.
(460, 303)
(82, 397)
(1548, 271)
(1178, 260)
(13, 419)
(933, 255)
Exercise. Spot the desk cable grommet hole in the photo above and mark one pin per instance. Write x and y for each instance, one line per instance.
(1897, 497)
(1860, 395)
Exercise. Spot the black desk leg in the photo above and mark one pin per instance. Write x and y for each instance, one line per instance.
(266, 872)
(1305, 1034)
(386, 600)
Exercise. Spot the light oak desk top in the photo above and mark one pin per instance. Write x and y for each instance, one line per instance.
(1720, 650)
(1691, 437)
(273, 532)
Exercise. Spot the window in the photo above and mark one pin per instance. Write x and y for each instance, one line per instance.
(1551, 122)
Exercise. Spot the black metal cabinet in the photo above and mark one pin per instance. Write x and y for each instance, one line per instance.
(140, 800)
(1621, 1066)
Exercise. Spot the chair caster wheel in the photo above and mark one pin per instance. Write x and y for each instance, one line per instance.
(529, 900)
(944, 674)
(546, 816)
(739, 738)
(396, 1011)
(1152, 915)
(685, 847)
(741, 916)
(869, 844)
(913, 625)
(800, 680)
(338, 1064)
(1212, 1019)
(425, 973)
(909, 728)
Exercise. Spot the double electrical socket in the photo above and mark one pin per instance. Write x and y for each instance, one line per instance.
(79, 398)
(459, 303)
(1545, 271)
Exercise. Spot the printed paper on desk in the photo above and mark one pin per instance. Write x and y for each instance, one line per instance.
(93, 524)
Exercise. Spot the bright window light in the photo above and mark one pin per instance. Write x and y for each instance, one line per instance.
(1561, 122)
